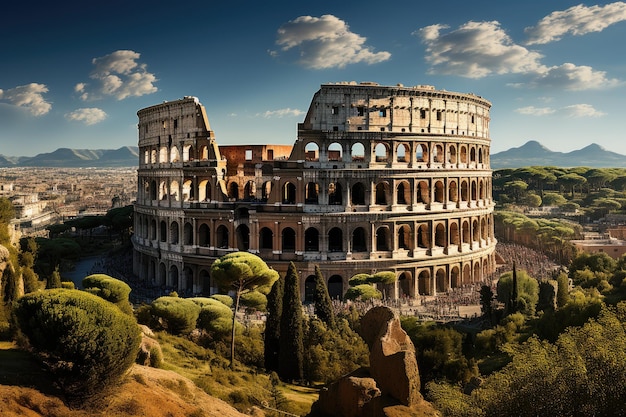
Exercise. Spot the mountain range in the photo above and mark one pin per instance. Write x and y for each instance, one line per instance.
(126, 156)
(532, 153)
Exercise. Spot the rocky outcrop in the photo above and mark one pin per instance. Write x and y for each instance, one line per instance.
(390, 387)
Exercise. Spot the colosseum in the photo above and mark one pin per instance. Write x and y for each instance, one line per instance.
(380, 178)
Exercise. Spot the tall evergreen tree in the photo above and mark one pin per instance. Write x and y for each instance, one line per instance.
(323, 303)
(514, 293)
(272, 325)
(291, 353)
(54, 279)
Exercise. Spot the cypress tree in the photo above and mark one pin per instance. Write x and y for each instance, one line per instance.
(514, 293)
(323, 303)
(291, 353)
(272, 325)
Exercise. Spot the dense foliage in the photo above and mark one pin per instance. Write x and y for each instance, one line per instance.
(291, 347)
(109, 288)
(323, 304)
(85, 341)
(176, 315)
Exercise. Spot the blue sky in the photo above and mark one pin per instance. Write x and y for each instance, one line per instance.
(74, 73)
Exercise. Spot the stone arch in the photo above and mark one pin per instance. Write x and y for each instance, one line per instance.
(187, 153)
(233, 190)
(173, 277)
(464, 191)
(359, 240)
(312, 193)
(312, 152)
(474, 193)
(476, 277)
(472, 154)
(309, 289)
(466, 232)
(403, 193)
(266, 190)
(404, 237)
(174, 154)
(311, 240)
(402, 153)
(423, 193)
(266, 239)
(153, 190)
(174, 190)
(204, 190)
(243, 237)
(439, 192)
(188, 190)
(382, 193)
(452, 154)
(405, 285)
(163, 231)
(466, 278)
(475, 230)
(463, 154)
(335, 193)
(335, 240)
(204, 235)
(455, 277)
(454, 233)
(162, 155)
(424, 283)
(335, 152)
(288, 240)
(188, 234)
(441, 280)
(358, 194)
(421, 153)
(453, 191)
(335, 287)
(153, 229)
(440, 236)
(438, 154)
(381, 152)
(382, 239)
(205, 282)
(153, 156)
(289, 193)
(221, 237)
(481, 190)
(423, 240)
(357, 152)
(249, 190)
(162, 279)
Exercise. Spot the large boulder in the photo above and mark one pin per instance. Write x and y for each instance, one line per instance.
(391, 385)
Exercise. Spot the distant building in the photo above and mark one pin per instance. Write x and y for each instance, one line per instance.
(613, 243)
(380, 178)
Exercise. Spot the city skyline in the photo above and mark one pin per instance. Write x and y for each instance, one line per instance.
(76, 76)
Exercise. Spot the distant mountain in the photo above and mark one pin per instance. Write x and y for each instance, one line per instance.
(126, 156)
(533, 153)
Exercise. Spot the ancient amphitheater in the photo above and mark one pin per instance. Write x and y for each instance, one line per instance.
(380, 178)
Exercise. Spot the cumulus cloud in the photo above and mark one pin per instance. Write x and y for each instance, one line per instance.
(29, 96)
(326, 42)
(577, 20)
(575, 110)
(89, 116)
(119, 75)
(476, 50)
(282, 113)
(573, 77)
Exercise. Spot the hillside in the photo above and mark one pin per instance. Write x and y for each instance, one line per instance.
(533, 153)
(145, 392)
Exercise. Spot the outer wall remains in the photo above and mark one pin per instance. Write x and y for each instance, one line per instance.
(379, 179)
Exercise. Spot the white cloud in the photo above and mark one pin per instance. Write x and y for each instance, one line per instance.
(577, 20)
(582, 110)
(573, 77)
(535, 111)
(575, 110)
(29, 96)
(89, 116)
(282, 113)
(475, 50)
(119, 75)
(326, 42)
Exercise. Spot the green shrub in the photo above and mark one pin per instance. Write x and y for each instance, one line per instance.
(85, 341)
(363, 292)
(177, 315)
(224, 299)
(109, 288)
(214, 317)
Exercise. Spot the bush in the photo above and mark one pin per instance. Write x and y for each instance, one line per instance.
(224, 299)
(177, 315)
(109, 288)
(363, 292)
(214, 317)
(85, 341)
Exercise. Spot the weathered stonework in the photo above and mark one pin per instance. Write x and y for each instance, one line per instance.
(380, 178)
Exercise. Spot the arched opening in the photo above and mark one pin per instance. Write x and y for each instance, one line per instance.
(289, 193)
(358, 152)
(312, 152)
(475, 230)
(438, 155)
(153, 229)
(474, 190)
(421, 153)
(464, 191)
(381, 193)
(382, 239)
(442, 281)
(381, 151)
(335, 287)
(423, 240)
(222, 237)
(288, 240)
(440, 236)
(423, 283)
(335, 240)
(358, 194)
(309, 289)
(453, 192)
(311, 240)
(477, 277)
(454, 233)
(359, 241)
(335, 194)
(266, 191)
(439, 192)
(243, 237)
(205, 282)
(174, 154)
(452, 154)
(335, 152)
(163, 231)
(174, 233)
(233, 190)
(204, 235)
(455, 278)
(467, 275)
(312, 193)
(188, 190)
(402, 152)
(249, 190)
(162, 275)
(188, 234)
(466, 232)
(405, 284)
(173, 277)
(204, 190)
(423, 192)
(403, 193)
(174, 191)
(404, 237)
(266, 239)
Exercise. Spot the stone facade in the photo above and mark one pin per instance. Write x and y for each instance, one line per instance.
(380, 178)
